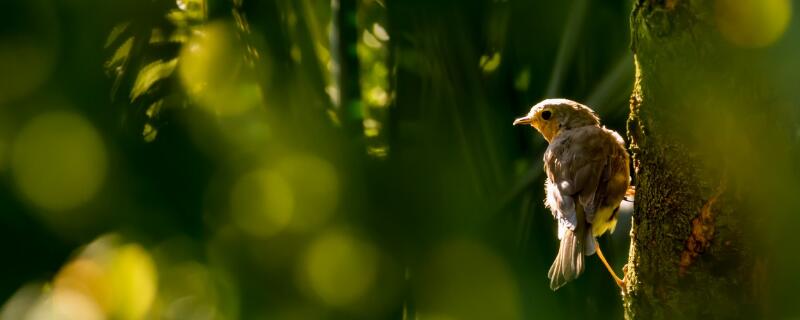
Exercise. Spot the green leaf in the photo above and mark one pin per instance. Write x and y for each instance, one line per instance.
(120, 55)
(151, 74)
(116, 32)
(116, 65)
(149, 132)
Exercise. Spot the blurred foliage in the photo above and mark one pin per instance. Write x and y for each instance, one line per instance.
(189, 160)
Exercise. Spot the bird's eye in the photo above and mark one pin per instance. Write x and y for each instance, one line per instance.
(546, 115)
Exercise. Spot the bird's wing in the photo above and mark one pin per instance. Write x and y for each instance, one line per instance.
(615, 178)
(575, 162)
(562, 207)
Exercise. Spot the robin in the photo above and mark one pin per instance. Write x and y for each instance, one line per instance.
(587, 178)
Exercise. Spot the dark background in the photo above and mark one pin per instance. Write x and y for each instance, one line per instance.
(434, 198)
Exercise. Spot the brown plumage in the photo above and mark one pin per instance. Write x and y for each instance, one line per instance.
(587, 176)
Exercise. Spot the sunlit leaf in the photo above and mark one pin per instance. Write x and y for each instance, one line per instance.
(380, 151)
(150, 74)
(116, 65)
(489, 64)
(120, 55)
(372, 128)
(178, 18)
(154, 109)
(370, 40)
(334, 117)
(241, 22)
(377, 97)
(380, 32)
(194, 9)
(149, 133)
(116, 32)
(333, 93)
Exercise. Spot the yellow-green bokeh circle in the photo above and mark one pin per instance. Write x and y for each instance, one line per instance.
(752, 23)
(262, 203)
(316, 189)
(29, 48)
(341, 268)
(133, 280)
(58, 161)
(464, 279)
(213, 71)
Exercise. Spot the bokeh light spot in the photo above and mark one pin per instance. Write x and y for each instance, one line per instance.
(262, 203)
(88, 277)
(106, 280)
(21, 302)
(190, 293)
(213, 72)
(58, 161)
(28, 50)
(134, 281)
(378, 97)
(68, 304)
(341, 268)
(465, 280)
(315, 184)
(752, 23)
(372, 128)
(29, 63)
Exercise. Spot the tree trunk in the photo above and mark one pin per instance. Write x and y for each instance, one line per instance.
(694, 137)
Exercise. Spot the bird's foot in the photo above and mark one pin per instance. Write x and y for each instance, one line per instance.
(621, 283)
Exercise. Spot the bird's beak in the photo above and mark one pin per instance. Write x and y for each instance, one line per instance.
(523, 120)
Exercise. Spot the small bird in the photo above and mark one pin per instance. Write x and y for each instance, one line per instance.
(587, 177)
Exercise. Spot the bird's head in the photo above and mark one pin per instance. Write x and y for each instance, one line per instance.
(552, 116)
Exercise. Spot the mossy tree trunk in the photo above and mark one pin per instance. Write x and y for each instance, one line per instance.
(692, 251)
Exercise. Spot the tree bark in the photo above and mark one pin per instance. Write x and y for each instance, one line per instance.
(691, 253)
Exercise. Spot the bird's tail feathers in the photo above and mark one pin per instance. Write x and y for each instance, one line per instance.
(569, 262)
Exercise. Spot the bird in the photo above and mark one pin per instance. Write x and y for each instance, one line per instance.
(587, 176)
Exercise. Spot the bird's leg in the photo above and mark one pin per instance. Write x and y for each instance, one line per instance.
(619, 281)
